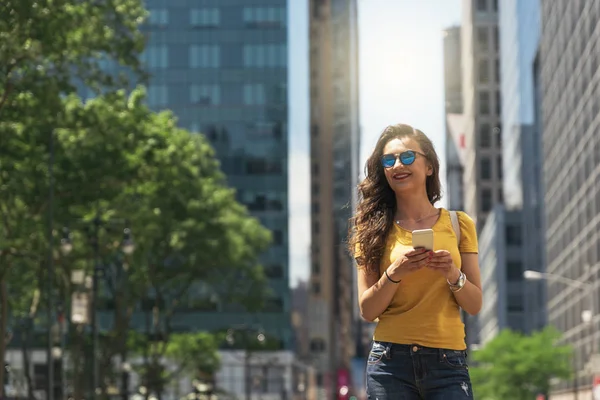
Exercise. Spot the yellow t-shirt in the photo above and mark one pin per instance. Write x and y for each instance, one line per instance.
(423, 310)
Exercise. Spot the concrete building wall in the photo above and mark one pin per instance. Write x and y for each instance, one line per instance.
(335, 147)
(570, 116)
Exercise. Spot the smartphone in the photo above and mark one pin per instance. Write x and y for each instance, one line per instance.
(423, 238)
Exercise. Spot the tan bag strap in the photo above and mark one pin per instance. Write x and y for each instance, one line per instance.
(455, 225)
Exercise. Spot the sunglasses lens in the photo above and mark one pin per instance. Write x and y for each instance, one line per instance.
(388, 160)
(407, 157)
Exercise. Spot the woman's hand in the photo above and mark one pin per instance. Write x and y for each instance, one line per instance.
(408, 262)
(441, 261)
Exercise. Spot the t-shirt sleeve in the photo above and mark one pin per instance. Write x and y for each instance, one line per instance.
(468, 234)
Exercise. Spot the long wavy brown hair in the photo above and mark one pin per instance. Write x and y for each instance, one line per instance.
(377, 202)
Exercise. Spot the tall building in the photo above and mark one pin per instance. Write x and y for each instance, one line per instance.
(481, 108)
(453, 111)
(334, 171)
(222, 69)
(500, 261)
(570, 116)
(455, 140)
(221, 66)
(477, 132)
(521, 141)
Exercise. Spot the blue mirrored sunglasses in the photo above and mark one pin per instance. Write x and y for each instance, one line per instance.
(406, 158)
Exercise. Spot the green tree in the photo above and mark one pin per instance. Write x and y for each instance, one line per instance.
(196, 353)
(46, 47)
(517, 366)
(194, 241)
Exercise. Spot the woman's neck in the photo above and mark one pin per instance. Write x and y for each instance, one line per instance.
(413, 206)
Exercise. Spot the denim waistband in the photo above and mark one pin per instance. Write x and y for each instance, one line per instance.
(409, 349)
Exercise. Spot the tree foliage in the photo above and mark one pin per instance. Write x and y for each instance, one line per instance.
(46, 47)
(519, 367)
(121, 160)
(117, 161)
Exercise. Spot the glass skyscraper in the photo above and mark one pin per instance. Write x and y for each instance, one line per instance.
(221, 67)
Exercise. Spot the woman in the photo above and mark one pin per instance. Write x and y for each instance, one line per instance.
(415, 295)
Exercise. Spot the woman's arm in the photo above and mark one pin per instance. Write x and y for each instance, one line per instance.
(375, 293)
(470, 297)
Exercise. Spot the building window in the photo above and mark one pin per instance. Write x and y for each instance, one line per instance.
(158, 95)
(498, 136)
(314, 130)
(317, 345)
(262, 166)
(514, 271)
(315, 227)
(158, 16)
(482, 5)
(498, 103)
(484, 71)
(497, 70)
(205, 17)
(316, 208)
(486, 168)
(316, 288)
(513, 235)
(274, 304)
(316, 267)
(495, 5)
(261, 202)
(500, 195)
(515, 300)
(254, 94)
(156, 56)
(194, 127)
(499, 167)
(264, 17)
(205, 56)
(484, 103)
(486, 200)
(485, 135)
(277, 237)
(274, 272)
(265, 56)
(205, 94)
(496, 38)
(482, 38)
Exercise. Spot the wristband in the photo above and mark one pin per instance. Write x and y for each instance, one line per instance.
(390, 279)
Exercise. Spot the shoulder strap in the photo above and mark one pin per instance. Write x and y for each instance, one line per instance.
(455, 225)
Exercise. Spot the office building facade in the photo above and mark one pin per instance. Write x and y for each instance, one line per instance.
(455, 140)
(221, 67)
(482, 178)
(476, 131)
(570, 114)
(453, 110)
(521, 142)
(334, 140)
(501, 264)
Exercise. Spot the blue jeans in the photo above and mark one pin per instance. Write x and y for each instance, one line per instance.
(413, 372)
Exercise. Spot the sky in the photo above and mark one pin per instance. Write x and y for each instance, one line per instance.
(401, 80)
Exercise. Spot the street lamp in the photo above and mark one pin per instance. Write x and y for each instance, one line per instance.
(128, 247)
(587, 316)
(260, 337)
